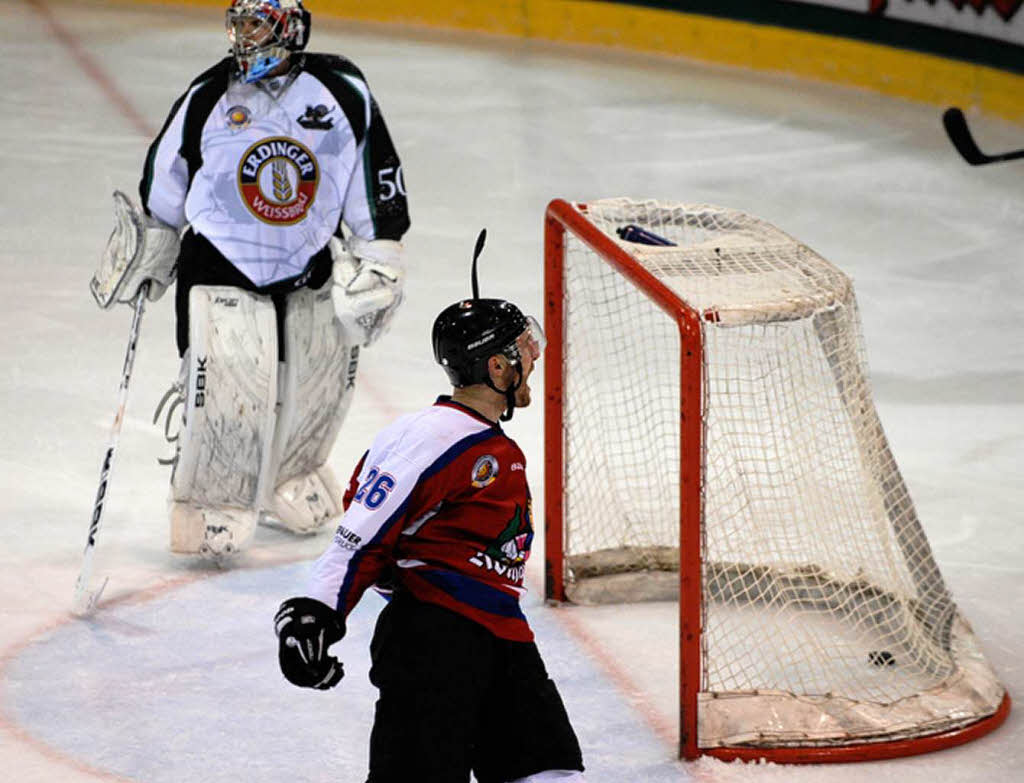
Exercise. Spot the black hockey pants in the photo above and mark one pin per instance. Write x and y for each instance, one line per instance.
(455, 698)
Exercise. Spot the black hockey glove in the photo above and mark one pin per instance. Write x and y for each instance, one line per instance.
(305, 629)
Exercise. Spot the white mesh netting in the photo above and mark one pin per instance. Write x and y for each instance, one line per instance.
(825, 617)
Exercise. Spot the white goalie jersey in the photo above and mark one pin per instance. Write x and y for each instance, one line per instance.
(267, 171)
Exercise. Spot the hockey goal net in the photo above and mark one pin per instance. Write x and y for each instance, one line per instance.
(711, 436)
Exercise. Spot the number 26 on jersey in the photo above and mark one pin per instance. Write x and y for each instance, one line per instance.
(375, 489)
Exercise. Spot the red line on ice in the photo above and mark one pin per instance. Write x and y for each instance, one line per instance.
(93, 69)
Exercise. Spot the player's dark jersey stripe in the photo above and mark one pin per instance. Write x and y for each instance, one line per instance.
(353, 570)
(453, 453)
(332, 70)
(472, 592)
(198, 112)
(147, 170)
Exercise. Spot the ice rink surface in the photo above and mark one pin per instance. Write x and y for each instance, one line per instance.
(175, 677)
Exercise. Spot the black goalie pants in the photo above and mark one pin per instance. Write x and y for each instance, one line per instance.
(455, 698)
(200, 263)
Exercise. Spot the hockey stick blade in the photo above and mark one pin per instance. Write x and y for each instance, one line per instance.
(85, 599)
(956, 128)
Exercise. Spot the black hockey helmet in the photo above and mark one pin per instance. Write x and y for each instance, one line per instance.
(468, 333)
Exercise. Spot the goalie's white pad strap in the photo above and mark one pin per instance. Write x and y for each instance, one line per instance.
(225, 443)
(317, 380)
(139, 249)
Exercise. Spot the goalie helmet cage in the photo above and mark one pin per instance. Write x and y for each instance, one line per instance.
(710, 434)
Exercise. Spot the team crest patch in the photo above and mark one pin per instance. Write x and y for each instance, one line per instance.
(239, 117)
(485, 471)
(508, 553)
(278, 179)
(316, 118)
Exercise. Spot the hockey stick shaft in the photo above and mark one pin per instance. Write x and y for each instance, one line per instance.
(956, 128)
(85, 599)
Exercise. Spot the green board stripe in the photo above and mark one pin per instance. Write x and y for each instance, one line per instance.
(870, 28)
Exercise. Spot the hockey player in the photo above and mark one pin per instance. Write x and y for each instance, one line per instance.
(243, 196)
(438, 513)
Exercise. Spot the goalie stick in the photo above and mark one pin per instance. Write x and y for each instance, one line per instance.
(956, 128)
(85, 599)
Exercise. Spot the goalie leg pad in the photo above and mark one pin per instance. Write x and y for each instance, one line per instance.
(317, 383)
(230, 394)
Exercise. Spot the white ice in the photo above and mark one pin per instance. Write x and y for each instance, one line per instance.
(175, 678)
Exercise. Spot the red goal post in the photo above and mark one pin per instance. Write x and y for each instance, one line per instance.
(909, 611)
(562, 216)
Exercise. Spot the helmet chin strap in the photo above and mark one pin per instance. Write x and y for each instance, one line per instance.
(510, 392)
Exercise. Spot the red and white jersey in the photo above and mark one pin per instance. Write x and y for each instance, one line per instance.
(439, 506)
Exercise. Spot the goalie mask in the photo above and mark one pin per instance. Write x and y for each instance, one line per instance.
(263, 33)
(468, 333)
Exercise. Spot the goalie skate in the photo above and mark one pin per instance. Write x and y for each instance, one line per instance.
(215, 534)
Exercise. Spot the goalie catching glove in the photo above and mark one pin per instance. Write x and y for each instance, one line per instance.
(368, 278)
(306, 628)
(140, 249)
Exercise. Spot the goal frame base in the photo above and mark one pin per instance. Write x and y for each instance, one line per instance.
(877, 751)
